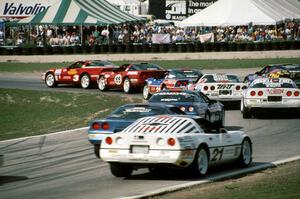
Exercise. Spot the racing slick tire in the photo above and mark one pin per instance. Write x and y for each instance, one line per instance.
(146, 94)
(245, 111)
(97, 150)
(245, 157)
(85, 81)
(50, 80)
(101, 84)
(127, 88)
(201, 162)
(120, 170)
(221, 122)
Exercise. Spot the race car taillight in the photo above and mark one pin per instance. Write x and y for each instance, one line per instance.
(105, 126)
(190, 109)
(260, 93)
(252, 93)
(212, 88)
(182, 108)
(296, 93)
(171, 141)
(205, 88)
(237, 88)
(96, 126)
(289, 93)
(108, 140)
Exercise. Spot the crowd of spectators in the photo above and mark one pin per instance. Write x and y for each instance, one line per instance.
(142, 33)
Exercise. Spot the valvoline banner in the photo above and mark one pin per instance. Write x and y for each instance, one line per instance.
(21, 8)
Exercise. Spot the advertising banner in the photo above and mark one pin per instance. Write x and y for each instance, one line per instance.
(177, 9)
(161, 38)
(22, 9)
(209, 37)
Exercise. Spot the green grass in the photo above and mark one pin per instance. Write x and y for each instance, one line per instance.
(201, 64)
(26, 113)
(277, 183)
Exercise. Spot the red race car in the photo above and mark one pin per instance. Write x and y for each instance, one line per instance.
(129, 77)
(83, 73)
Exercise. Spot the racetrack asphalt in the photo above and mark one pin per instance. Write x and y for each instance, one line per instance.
(155, 56)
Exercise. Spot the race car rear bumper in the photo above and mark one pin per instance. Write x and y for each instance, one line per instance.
(285, 104)
(172, 157)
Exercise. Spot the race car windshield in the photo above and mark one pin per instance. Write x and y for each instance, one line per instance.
(99, 63)
(220, 78)
(145, 67)
(273, 84)
(137, 112)
(184, 74)
(174, 97)
(293, 67)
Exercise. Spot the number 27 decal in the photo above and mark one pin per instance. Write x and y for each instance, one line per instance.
(217, 154)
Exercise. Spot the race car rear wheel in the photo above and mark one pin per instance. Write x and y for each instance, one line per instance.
(50, 80)
(101, 84)
(245, 157)
(221, 123)
(127, 85)
(245, 111)
(201, 161)
(146, 94)
(85, 81)
(97, 150)
(120, 170)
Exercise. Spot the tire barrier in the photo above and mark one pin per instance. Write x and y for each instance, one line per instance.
(152, 48)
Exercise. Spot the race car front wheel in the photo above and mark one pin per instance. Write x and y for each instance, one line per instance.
(127, 85)
(50, 80)
(120, 170)
(85, 81)
(146, 94)
(101, 84)
(245, 157)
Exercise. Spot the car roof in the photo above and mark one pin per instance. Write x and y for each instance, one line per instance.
(148, 105)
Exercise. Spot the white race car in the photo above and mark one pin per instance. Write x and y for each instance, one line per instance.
(175, 142)
(222, 87)
(265, 93)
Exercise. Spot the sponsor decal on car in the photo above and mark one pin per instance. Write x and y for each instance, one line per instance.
(72, 72)
(118, 79)
(57, 72)
(133, 73)
(76, 78)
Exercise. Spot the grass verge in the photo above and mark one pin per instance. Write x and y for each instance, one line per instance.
(27, 113)
(200, 64)
(281, 182)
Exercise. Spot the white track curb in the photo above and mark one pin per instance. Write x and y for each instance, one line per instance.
(212, 179)
(49, 134)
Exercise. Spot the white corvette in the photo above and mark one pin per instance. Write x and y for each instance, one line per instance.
(222, 87)
(176, 142)
(265, 93)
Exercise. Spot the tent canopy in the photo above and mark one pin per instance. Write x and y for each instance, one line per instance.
(243, 12)
(80, 12)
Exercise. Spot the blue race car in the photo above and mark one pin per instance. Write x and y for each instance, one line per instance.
(193, 103)
(291, 71)
(123, 117)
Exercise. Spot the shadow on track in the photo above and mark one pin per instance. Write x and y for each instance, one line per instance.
(215, 173)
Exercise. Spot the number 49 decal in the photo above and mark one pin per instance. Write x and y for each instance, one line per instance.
(217, 154)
